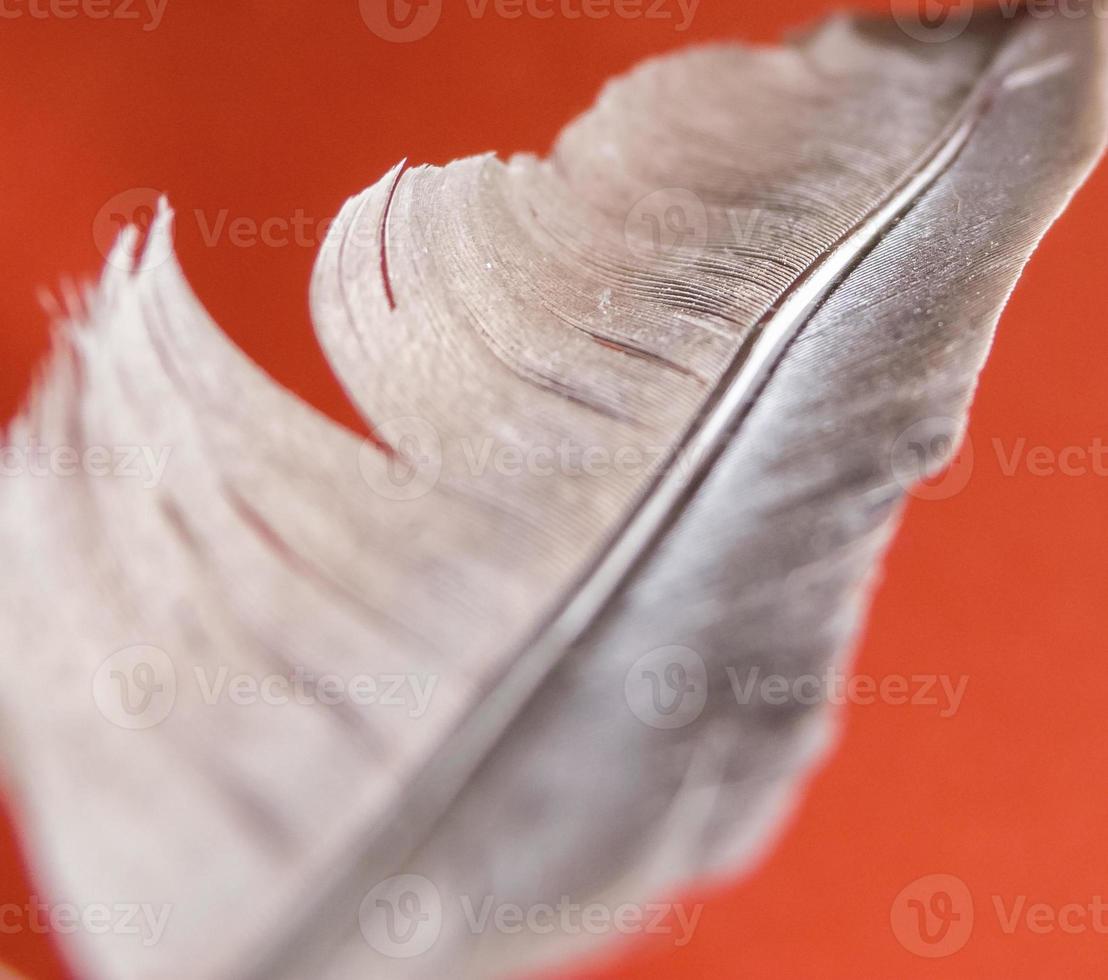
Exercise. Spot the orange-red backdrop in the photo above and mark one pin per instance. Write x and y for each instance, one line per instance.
(267, 107)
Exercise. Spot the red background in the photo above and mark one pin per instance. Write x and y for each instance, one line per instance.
(264, 107)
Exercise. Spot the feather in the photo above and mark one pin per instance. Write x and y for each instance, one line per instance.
(642, 417)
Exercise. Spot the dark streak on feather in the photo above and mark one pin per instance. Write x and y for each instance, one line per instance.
(264, 825)
(373, 438)
(646, 355)
(268, 535)
(385, 237)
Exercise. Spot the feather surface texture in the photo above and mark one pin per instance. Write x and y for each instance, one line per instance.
(645, 416)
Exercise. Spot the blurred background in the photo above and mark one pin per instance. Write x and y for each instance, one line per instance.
(928, 844)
